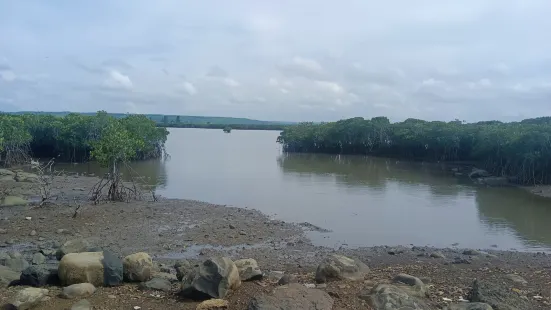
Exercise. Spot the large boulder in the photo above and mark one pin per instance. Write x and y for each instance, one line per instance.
(214, 278)
(138, 267)
(392, 297)
(82, 305)
(78, 290)
(26, 177)
(338, 267)
(9, 201)
(16, 262)
(497, 296)
(414, 286)
(469, 306)
(76, 246)
(29, 297)
(7, 276)
(182, 268)
(39, 276)
(248, 269)
(112, 269)
(292, 297)
(5, 172)
(156, 284)
(87, 267)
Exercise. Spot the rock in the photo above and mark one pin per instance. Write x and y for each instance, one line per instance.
(391, 297)
(63, 231)
(469, 306)
(287, 279)
(112, 269)
(32, 233)
(82, 305)
(242, 233)
(248, 269)
(78, 290)
(215, 277)
(292, 297)
(5, 172)
(213, 304)
(156, 284)
(437, 254)
(471, 252)
(10, 201)
(138, 267)
(516, 279)
(29, 297)
(75, 246)
(232, 226)
(39, 276)
(460, 260)
(413, 286)
(84, 267)
(341, 267)
(7, 276)
(496, 296)
(3, 231)
(167, 276)
(478, 173)
(182, 268)
(16, 263)
(25, 177)
(274, 275)
(38, 259)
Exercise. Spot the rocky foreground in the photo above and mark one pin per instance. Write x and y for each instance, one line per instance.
(178, 254)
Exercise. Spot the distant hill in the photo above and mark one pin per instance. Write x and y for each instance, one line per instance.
(185, 119)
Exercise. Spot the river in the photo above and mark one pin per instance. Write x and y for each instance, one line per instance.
(364, 201)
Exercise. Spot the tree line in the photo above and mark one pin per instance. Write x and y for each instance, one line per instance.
(222, 126)
(521, 150)
(76, 137)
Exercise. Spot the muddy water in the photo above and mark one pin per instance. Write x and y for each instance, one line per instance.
(363, 201)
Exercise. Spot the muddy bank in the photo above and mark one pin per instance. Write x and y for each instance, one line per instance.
(174, 230)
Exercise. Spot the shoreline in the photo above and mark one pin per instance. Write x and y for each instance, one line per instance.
(173, 230)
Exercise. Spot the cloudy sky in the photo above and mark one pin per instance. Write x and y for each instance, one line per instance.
(279, 60)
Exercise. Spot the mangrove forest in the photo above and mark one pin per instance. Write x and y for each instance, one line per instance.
(77, 137)
(520, 150)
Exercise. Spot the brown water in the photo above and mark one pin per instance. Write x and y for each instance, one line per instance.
(364, 201)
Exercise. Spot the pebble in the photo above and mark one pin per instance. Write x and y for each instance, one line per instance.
(33, 233)
(3, 231)
(111, 296)
(242, 233)
(232, 226)
(310, 285)
(28, 218)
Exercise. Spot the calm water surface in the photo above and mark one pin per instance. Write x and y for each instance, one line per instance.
(365, 201)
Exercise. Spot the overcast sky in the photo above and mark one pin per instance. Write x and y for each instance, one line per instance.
(279, 60)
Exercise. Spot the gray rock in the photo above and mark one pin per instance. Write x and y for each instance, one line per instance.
(78, 290)
(17, 264)
(287, 279)
(4, 172)
(248, 269)
(516, 279)
(39, 276)
(29, 297)
(292, 297)
(392, 297)
(156, 284)
(413, 286)
(182, 268)
(26, 177)
(469, 306)
(82, 305)
(7, 276)
(478, 173)
(215, 277)
(496, 296)
(76, 246)
(38, 259)
(274, 275)
(338, 267)
(10, 201)
(437, 254)
(3, 258)
(32, 233)
(112, 269)
(137, 267)
(167, 276)
(471, 252)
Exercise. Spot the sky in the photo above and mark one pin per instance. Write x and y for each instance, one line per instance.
(288, 60)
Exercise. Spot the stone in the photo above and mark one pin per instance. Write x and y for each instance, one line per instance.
(182, 268)
(4, 172)
(469, 306)
(478, 173)
(248, 269)
(75, 246)
(496, 296)
(437, 254)
(82, 305)
(414, 286)
(32, 233)
(113, 271)
(156, 284)
(338, 267)
(39, 276)
(471, 252)
(137, 267)
(10, 201)
(516, 279)
(392, 297)
(29, 297)
(26, 177)
(16, 263)
(213, 304)
(7, 276)
(3, 231)
(287, 279)
(274, 275)
(292, 297)
(214, 278)
(38, 259)
(84, 267)
(78, 290)
(167, 276)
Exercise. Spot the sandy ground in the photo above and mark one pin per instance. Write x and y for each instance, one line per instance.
(171, 230)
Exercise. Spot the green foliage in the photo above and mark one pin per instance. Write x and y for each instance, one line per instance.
(117, 144)
(518, 149)
(233, 126)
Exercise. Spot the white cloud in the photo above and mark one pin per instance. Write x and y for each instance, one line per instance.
(273, 82)
(482, 83)
(230, 82)
(431, 82)
(308, 64)
(117, 80)
(8, 75)
(189, 88)
(329, 86)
